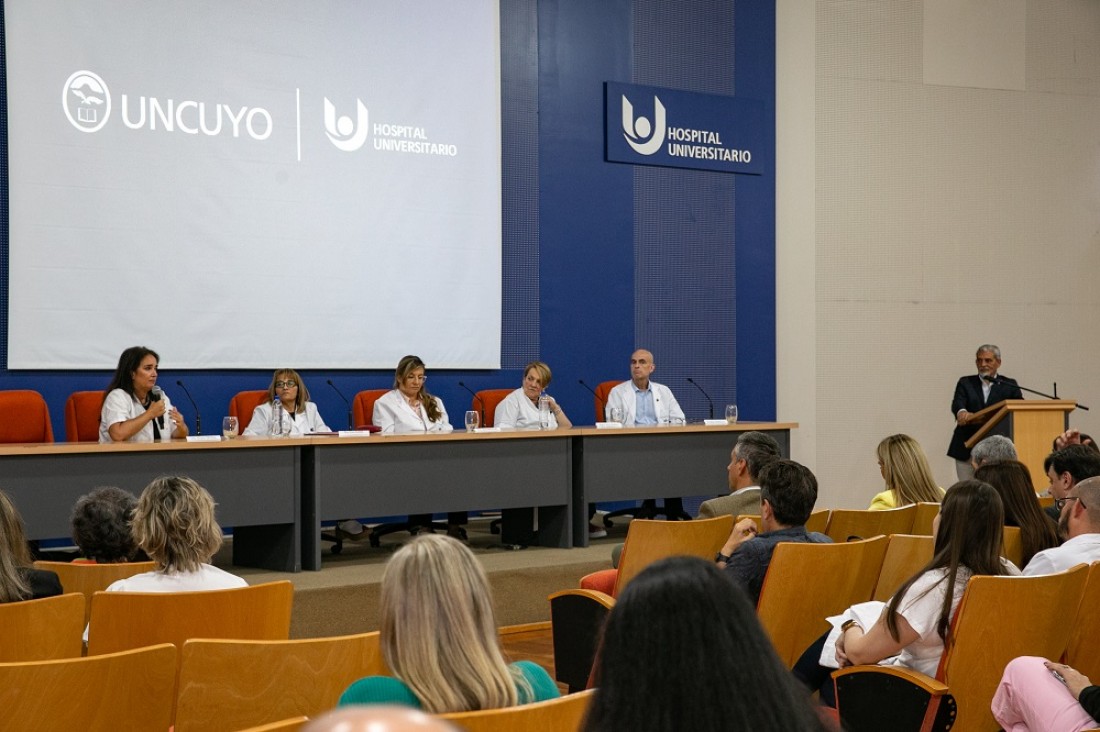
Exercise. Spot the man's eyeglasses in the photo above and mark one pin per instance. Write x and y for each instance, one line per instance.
(285, 384)
(1061, 502)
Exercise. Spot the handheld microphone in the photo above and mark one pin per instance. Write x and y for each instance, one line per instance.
(155, 395)
(198, 418)
(351, 418)
(480, 405)
(711, 403)
(586, 386)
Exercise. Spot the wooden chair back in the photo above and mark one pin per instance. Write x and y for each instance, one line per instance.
(905, 555)
(603, 390)
(1083, 652)
(131, 690)
(564, 714)
(807, 583)
(123, 620)
(648, 541)
(42, 630)
(1000, 618)
(577, 618)
(485, 403)
(818, 521)
(82, 412)
(1013, 548)
(741, 516)
(88, 579)
(243, 404)
(229, 684)
(1046, 501)
(283, 725)
(362, 406)
(845, 523)
(922, 519)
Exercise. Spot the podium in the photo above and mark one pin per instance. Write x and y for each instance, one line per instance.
(1031, 424)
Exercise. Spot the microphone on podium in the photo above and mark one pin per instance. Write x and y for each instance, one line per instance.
(198, 417)
(709, 402)
(351, 417)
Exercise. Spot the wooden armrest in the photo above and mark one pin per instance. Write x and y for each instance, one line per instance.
(923, 681)
(596, 596)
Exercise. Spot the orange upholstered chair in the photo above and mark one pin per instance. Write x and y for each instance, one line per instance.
(362, 407)
(602, 391)
(24, 417)
(243, 404)
(82, 411)
(486, 401)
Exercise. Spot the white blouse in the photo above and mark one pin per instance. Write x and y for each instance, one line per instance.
(393, 415)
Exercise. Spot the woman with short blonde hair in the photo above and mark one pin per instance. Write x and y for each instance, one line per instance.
(439, 637)
(908, 477)
(174, 524)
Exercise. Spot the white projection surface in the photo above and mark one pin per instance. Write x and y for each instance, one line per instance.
(313, 184)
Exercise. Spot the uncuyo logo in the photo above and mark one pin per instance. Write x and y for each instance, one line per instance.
(343, 133)
(643, 137)
(86, 101)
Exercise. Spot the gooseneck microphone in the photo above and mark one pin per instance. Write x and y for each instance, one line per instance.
(198, 417)
(998, 379)
(586, 386)
(709, 401)
(480, 404)
(155, 395)
(351, 417)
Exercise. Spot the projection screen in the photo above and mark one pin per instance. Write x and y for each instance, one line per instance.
(254, 184)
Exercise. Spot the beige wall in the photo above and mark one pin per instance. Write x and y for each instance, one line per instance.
(917, 220)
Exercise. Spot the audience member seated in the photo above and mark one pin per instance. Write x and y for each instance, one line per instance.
(683, 650)
(1067, 467)
(912, 627)
(378, 718)
(101, 526)
(788, 492)
(1012, 480)
(174, 524)
(1074, 437)
(1030, 698)
(18, 578)
(993, 449)
(904, 467)
(751, 452)
(439, 637)
(1079, 522)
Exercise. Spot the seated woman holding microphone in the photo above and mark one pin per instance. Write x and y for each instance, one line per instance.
(299, 414)
(520, 409)
(134, 408)
(410, 409)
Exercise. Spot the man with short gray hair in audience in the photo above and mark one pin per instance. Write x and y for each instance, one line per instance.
(993, 449)
(751, 452)
(1079, 521)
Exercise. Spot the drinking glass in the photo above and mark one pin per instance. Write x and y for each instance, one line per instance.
(617, 414)
(229, 427)
(731, 414)
(472, 419)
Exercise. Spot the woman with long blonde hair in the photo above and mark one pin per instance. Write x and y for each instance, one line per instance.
(439, 637)
(19, 580)
(904, 467)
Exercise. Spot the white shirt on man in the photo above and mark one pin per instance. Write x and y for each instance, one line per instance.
(623, 397)
(1082, 549)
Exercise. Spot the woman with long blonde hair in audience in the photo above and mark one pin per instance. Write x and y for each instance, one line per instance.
(19, 580)
(439, 637)
(904, 467)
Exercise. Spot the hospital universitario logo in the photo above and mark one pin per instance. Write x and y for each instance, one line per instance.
(644, 137)
(342, 132)
(87, 101)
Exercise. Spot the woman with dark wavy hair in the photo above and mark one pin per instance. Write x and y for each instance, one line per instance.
(1012, 480)
(101, 525)
(684, 650)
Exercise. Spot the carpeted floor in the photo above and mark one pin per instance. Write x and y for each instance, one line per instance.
(343, 597)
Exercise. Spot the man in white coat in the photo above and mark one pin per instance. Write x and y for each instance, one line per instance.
(643, 402)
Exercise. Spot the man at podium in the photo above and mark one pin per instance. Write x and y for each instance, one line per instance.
(973, 394)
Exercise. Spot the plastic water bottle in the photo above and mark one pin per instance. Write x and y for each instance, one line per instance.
(544, 412)
(277, 418)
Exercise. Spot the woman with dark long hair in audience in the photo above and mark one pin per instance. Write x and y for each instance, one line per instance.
(19, 580)
(912, 628)
(904, 467)
(439, 637)
(1012, 480)
(683, 650)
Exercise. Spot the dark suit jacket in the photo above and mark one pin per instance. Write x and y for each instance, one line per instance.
(968, 396)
